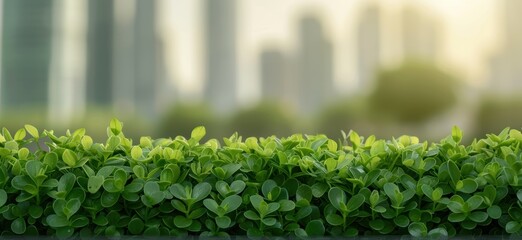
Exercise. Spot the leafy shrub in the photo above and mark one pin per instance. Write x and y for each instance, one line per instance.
(264, 119)
(298, 186)
(495, 113)
(414, 92)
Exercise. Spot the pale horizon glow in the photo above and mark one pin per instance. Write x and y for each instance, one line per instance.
(469, 37)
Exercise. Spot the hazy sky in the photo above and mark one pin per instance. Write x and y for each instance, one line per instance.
(470, 35)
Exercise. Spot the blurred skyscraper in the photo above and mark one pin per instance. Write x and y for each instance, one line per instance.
(138, 66)
(100, 34)
(368, 46)
(506, 65)
(274, 76)
(420, 35)
(26, 52)
(314, 66)
(220, 43)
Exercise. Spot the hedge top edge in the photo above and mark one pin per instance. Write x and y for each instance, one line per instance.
(298, 186)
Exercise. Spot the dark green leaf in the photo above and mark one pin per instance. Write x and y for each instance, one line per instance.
(513, 227)
(478, 217)
(136, 226)
(56, 221)
(201, 191)
(377, 224)
(182, 222)
(355, 202)
(418, 229)
(401, 221)
(269, 221)
(315, 228)
(318, 189)
(18, 226)
(337, 197)
(494, 212)
(334, 219)
(109, 199)
(251, 215)
(3, 197)
(94, 183)
(231, 203)
(223, 222)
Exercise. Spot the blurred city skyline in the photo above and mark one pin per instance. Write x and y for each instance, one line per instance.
(142, 57)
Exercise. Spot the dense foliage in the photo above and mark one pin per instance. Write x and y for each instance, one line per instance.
(302, 186)
(414, 91)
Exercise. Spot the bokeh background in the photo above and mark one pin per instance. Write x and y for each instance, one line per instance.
(388, 67)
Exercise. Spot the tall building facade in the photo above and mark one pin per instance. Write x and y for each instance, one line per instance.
(368, 46)
(506, 65)
(274, 75)
(220, 43)
(100, 32)
(26, 52)
(314, 66)
(420, 35)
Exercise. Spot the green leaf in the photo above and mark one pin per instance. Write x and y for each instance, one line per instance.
(474, 202)
(494, 212)
(66, 182)
(337, 197)
(391, 190)
(198, 133)
(418, 229)
(3, 197)
(513, 227)
(86, 142)
(318, 189)
(73, 206)
(18, 226)
(401, 221)
(456, 134)
(136, 152)
(453, 171)
(136, 226)
(69, 157)
(35, 211)
(355, 202)
(456, 217)
(478, 217)
(377, 224)
(115, 126)
(211, 205)
(334, 219)
(19, 135)
(267, 186)
(56, 221)
(94, 183)
(223, 222)
(231, 203)
(269, 221)
(201, 191)
(315, 228)
(438, 233)
(182, 222)
(109, 199)
(32, 131)
(286, 205)
(249, 214)
(467, 186)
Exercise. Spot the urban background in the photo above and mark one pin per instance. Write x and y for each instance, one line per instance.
(262, 67)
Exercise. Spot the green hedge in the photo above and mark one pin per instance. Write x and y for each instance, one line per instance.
(302, 185)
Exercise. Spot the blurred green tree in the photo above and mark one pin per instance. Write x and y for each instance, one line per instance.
(263, 119)
(413, 92)
(343, 115)
(496, 113)
(182, 118)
